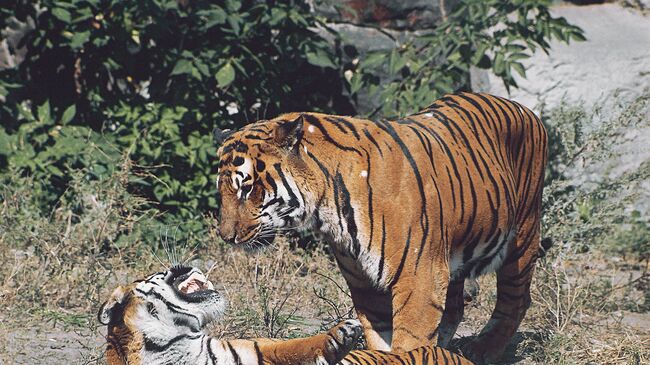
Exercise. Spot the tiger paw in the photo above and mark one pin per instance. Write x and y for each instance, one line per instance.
(482, 351)
(343, 337)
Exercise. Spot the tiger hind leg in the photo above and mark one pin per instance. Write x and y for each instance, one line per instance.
(513, 297)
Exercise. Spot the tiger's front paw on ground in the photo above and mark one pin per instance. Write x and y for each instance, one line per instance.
(481, 352)
(344, 336)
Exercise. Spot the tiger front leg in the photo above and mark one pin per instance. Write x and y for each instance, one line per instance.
(375, 314)
(321, 349)
(417, 311)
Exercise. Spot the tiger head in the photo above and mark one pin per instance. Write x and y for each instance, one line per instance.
(167, 305)
(263, 181)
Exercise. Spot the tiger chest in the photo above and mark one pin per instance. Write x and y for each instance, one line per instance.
(360, 265)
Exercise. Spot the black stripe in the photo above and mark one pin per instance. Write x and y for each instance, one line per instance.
(234, 354)
(371, 215)
(213, 357)
(337, 121)
(403, 260)
(258, 353)
(373, 141)
(382, 254)
(424, 217)
(293, 199)
(348, 213)
(322, 167)
(152, 346)
(316, 123)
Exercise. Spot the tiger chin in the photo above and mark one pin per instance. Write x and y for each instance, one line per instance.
(162, 320)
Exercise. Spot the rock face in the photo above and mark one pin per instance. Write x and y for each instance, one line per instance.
(380, 25)
(606, 72)
(10, 52)
(402, 14)
(615, 58)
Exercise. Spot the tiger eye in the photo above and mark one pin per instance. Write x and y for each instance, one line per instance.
(238, 161)
(152, 309)
(260, 165)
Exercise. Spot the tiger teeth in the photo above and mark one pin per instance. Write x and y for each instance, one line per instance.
(196, 281)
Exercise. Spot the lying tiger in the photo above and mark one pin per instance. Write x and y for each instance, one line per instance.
(161, 320)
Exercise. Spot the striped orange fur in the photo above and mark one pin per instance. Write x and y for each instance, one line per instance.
(410, 208)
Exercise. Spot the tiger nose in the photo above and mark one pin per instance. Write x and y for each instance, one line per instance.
(228, 234)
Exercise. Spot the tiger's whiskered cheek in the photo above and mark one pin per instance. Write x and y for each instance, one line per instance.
(283, 206)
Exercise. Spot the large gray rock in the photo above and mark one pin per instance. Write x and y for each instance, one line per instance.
(615, 58)
(402, 14)
(10, 53)
(605, 73)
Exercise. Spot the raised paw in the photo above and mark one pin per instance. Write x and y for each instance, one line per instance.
(343, 337)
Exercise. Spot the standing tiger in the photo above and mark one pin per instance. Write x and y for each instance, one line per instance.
(161, 320)
(410, 208)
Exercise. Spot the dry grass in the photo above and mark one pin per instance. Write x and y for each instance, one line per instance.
(283, 292)
(590, 294)
(59, 269)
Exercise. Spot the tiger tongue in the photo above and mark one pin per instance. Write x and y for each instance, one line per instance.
(190, 288)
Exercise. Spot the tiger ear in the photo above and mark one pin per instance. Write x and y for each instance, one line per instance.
(288, 134)
(219, 135)
(109, 308)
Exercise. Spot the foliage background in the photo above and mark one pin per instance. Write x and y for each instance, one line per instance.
(104, 81)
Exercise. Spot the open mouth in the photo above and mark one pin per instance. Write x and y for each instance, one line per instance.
(196, 282)
(190, 283)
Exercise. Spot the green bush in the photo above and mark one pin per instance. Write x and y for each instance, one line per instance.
(153, 78)
(488, 34)
(107, 81)
(601, 212)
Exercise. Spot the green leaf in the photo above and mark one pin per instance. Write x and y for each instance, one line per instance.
(233, 5)
(43, 113)
(5, 142)
(68, 114)
(577, 35)
(234, 20)
(62, 15)
(320, 58)
(225, 76)
(499, 66)
(196, 74)
(479, 53)
(79, 39)
(519, 68)
(183, 66)
(373, 59)
(355, 83)
(215, 16)
(54, 170)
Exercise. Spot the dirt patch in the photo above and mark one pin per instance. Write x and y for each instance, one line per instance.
(37, 341)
